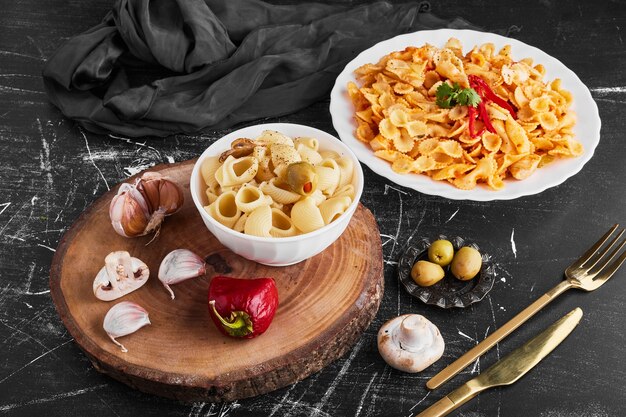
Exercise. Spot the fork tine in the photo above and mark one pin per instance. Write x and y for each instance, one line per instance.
(604, 251)
(608, 273)
(587, 255)
(613, 267)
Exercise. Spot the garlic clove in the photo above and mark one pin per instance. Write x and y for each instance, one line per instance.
(161, 193)
(136, 214)
(410, 343)
(180, 265)
(121, 274)
(123, 319)
(171, 197)
(116, 211)
(129, 212)
(148, 186)
(139, 209)
(139, 198)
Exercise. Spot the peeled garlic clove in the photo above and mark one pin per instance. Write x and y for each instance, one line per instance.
(410, 343)
(179, 265)
(120, 275)
(123, 319)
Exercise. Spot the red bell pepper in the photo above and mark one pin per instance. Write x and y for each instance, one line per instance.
(242, 307)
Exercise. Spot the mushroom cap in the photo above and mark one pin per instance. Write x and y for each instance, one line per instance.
(410, 343)
(110, 284)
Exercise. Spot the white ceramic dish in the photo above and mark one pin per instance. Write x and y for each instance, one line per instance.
(276, 251)
(587, 129)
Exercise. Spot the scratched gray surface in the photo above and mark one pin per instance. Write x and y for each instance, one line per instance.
(50, 171)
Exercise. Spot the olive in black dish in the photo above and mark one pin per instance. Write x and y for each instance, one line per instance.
(449, 292)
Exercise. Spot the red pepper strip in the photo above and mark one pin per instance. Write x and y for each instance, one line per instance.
(482, 109)
(487, 93)
(472, 114)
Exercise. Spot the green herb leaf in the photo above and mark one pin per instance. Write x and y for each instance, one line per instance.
(468, 97)
(445, 96)
(450, 96)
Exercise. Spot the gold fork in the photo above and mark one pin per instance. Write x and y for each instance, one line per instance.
(588, 273)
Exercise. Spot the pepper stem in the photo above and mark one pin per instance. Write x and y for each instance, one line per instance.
(238, 324)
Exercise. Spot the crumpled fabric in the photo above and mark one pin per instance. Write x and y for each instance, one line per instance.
(162, 67)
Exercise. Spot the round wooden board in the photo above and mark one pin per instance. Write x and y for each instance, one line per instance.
(326, 302)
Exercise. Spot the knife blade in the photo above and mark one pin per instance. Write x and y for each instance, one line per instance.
(510, 368)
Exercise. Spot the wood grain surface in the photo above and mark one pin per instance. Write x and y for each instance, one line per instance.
(325, 303)
(51, 171)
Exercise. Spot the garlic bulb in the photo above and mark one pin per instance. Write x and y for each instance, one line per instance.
(123, 319)
(120, 275)
(179, 265)
(139, 209)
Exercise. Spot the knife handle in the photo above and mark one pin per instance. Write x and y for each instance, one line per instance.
(455, 399)
(471, 355)
(441, 408)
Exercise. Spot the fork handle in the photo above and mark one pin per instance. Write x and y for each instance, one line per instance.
(471, 355)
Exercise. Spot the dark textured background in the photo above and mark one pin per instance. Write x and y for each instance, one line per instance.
(50, 171)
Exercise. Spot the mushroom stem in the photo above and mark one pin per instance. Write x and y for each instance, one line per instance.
(120, 275)
(119, 268)
(414, 334)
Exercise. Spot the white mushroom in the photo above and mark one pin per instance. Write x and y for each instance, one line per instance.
(410, 343)
(119, 276)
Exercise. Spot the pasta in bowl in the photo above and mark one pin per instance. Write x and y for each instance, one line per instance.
(277, 193)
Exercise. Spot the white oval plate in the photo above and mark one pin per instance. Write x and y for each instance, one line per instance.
(586, 130)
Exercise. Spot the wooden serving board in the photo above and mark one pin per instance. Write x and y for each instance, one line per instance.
(325, 303)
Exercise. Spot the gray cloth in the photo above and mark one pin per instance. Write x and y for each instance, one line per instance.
(160, 67)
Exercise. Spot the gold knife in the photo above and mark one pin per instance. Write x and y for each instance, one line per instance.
(510, 368)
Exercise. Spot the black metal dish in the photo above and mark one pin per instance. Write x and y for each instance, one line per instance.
(449, 292)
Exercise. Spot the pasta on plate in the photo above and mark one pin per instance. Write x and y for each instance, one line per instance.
(276, 186)
(515, 123)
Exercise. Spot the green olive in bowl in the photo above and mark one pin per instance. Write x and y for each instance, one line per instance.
(466, 263)
(426, 273)
(302, 178)
(441, 252)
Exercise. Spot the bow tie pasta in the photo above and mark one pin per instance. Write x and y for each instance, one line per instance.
(496, 118)
(276, 186)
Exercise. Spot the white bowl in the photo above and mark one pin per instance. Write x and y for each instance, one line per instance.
(276, 251)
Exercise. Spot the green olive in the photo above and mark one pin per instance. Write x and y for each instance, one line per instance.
(466, 263)
(426, 273)
(302, 178)
(441, 252)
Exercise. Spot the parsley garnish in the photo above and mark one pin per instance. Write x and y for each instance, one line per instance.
(450, 96)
